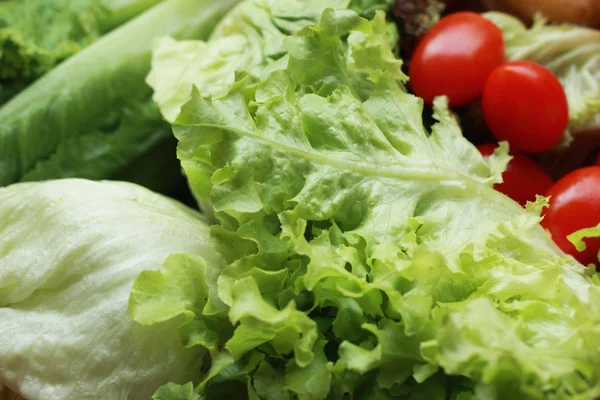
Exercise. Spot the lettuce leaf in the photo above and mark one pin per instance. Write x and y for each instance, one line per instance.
(69, 254)
(249, 38)
(367, 256)
(577, 238)
(571, 52)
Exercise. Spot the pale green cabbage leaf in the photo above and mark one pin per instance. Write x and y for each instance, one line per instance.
(571, 52)
(368, 256)
(69, 254)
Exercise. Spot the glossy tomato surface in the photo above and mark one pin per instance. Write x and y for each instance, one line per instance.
(575, 205)
(455, 58)
(525, 104)
(523, 178)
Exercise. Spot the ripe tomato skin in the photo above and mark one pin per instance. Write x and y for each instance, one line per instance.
(523, 178)
(525, 104)
(455, 58)
(574, 205)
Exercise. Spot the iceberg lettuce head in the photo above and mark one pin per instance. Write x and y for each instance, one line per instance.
(69, 253)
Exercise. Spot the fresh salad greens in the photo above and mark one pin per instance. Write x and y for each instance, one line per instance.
(358, 252)
(35, 35)
(65, 278)
(93, 114)
(571, 52)
(249, 38)
(367, 257)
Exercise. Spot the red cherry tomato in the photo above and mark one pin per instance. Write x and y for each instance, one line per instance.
(525, 104)
(523, 178)
(575, 205)
(455, 58)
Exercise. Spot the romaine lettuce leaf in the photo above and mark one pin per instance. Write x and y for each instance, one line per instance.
(571, 52)
(93, 114)
(35, 35)
(69, 254)
(367, 256)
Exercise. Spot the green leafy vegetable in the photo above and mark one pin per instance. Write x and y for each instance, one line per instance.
(367, 257)
(249, 38)
(571, 52)
(175, 392)
(577, 237)
(181, 280)
(93, 114)
(69, 254)
(35, 35)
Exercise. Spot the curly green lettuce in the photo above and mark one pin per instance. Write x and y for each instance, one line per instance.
(577, 238)
(249, 38)
(571, 52)
(367, 257)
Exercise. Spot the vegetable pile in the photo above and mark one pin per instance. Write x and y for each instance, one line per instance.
(523, 103)
(570, 52)
(364, 252)
(352, 248)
